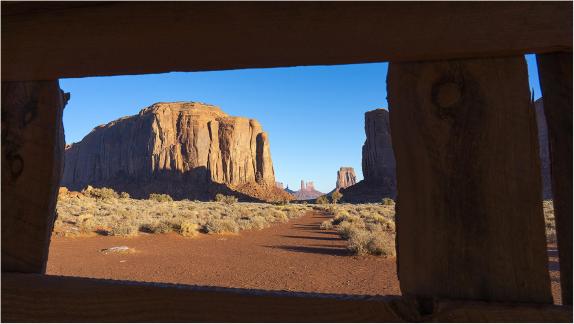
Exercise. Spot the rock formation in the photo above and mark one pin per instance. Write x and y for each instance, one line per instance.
(185, 149)
(307, 191)
(279, 185)
(378, 162)
(345, 178)
(543, 149)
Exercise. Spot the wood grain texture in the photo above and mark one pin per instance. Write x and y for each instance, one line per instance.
(37, 298)
(79, 40)
(469, 209)
(33, 298)
(555, 71)
(32, 157)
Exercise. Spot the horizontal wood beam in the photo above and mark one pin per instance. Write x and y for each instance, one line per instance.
(38, 298)
(41, 41)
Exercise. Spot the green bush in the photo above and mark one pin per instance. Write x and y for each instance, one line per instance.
(230, 200)
(160, 197)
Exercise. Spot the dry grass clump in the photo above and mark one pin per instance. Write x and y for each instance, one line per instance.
(103, 211)
(160, 197)
(230, 200)
(368, 228)
(100, 193)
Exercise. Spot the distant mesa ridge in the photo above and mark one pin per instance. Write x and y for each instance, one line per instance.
(307, 191)
(185, 149)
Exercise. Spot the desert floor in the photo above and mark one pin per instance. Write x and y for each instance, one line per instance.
(295, 256)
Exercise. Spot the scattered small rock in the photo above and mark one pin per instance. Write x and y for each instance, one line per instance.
(117, 249)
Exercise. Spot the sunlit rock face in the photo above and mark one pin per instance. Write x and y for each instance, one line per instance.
(185, 149)
(345, 178)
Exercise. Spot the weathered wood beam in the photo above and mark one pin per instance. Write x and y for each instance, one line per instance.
(36, 298)
(82, 40)
(32, 298)
(32, 161)
(469, 215)
(555, 72)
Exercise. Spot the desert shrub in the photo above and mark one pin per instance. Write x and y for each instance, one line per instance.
(336, 196)
(219, 226)
(123, 229)
(100, 193)
(124, 195)
(160, 197)
(85, 223)
(322, 200)
(388, 201)
(188, 229)
(362, 241)
(327, 225)
(230, 200)
(157, 228)
(345, 228)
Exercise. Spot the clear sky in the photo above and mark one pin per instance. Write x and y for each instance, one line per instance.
(314, 116)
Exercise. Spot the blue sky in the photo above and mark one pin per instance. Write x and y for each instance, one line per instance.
(314, 116)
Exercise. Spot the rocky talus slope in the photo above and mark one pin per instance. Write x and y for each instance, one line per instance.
(185, 149)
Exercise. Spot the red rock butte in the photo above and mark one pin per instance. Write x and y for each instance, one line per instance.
(185, 149)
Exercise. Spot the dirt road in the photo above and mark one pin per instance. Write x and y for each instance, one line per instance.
(297, 256)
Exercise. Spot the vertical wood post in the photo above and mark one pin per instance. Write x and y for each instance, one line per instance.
(555, 72)
(469, 211)
(32, 157)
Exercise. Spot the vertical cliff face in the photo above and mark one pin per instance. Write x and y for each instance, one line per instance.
(378, 162)
(543, 149)
(378, 157)
(345, 178)
(178, 148)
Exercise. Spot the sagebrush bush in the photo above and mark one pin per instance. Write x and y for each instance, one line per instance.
(157, 227)
(388, 201)
(368, 228)
(123, 229)
(336, 196)
(85, 223)
(188, 229)
(160, 197)
(322, 200)
(219, 226)
(327, 225)
(128, 216)
(230, 200)
(100, 193)
(124, 195)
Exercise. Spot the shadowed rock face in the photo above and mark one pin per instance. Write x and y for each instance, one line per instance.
(543, 149)
(182, 148)
(378, 157)
(345, 178)
(378, 162)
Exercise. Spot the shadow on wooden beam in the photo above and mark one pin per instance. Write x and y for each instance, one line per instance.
(39, 298)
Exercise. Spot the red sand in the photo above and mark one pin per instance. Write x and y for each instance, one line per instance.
(297, 256)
